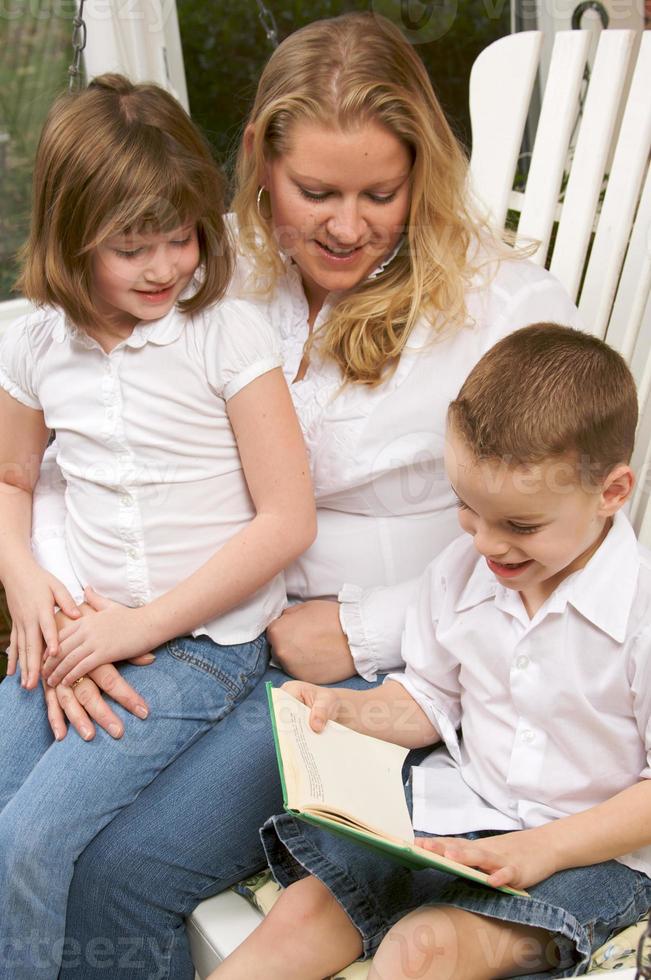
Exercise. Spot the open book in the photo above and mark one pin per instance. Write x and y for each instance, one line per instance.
(350, 784)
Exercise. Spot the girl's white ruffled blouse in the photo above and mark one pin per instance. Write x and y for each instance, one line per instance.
(154, 484)
(385, 508)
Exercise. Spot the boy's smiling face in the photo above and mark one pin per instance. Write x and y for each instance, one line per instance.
(534, 524)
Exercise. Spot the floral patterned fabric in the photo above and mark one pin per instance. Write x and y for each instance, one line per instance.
(617, 954)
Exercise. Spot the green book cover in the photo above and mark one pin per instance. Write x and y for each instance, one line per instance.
(317, 789)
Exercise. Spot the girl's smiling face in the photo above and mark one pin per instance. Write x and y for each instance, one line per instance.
(339, 202)
(140, 276)
(534, 524)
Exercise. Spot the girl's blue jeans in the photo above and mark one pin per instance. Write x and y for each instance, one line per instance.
(56, 797)
(193, 831)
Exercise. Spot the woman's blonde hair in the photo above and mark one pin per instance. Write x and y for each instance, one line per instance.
(344, 72)
(113, 158)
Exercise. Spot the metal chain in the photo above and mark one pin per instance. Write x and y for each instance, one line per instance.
(78, 45)
(268, 22)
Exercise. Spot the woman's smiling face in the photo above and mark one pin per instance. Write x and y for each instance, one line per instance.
(339, 202)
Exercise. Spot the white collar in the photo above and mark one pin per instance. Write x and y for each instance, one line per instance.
(603, 591)
(160, 332)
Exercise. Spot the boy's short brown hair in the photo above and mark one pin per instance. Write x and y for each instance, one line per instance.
(547, 391)
(113, 158)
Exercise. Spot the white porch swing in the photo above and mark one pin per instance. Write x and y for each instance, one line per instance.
(601, 241)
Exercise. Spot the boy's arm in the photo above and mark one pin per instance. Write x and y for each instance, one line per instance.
(31, 592)
(525, 857)
(388, 712)
(275, 465)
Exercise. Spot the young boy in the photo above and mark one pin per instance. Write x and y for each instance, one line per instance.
(532, 634)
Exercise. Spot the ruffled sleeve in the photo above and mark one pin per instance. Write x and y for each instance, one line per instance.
(373, 621)
(17, 369)
(240, 346)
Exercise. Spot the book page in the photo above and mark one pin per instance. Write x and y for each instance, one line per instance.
(340, 770)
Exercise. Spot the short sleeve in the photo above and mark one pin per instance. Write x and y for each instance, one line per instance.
(17, 374)
(241, 345)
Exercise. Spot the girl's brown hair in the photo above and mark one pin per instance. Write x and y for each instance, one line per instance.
(344, 72)
(113, 158)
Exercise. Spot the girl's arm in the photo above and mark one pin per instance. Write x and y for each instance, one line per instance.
(275, 465)
(388, 712)
(618, 826)
(31, 592)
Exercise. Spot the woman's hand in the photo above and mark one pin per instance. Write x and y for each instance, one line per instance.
(309, 643)
(114, 633)
(85, 703)
(32, 594)
(519, 859)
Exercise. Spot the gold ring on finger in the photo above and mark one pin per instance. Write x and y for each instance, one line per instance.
(78, 681)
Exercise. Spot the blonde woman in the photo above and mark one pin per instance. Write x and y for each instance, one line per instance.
(356, 238)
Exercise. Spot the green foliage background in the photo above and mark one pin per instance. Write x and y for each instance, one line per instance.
(225, 48)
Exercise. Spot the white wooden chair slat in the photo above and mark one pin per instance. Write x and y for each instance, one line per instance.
(501, 83)
(622, 191)
(558, 117)
(640, 510)
(590, 156)
(640, 361)
(633, 290)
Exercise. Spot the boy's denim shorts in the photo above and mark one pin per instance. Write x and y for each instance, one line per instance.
(580, 907)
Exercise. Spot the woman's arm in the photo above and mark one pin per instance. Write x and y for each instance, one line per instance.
(275, 465)
(31, 592)
(324, 641)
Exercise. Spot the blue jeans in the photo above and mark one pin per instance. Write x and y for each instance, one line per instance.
(191, 833)
(580, 907)
(55, 797)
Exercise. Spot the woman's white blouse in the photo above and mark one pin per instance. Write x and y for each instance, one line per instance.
(384, 504)
(385, 507)
(154, 485)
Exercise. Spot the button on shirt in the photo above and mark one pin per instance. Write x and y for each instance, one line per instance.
(555, 710)
(153, 479)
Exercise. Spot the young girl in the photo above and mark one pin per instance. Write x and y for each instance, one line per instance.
(187, 484)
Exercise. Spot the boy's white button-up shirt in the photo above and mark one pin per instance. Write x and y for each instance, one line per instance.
(555, 711)
(153, 479)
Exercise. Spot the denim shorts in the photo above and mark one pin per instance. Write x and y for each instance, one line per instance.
(580, 907)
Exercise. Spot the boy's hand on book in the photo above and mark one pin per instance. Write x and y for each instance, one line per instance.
(32, 593)
(323, 702)
(518, 859)
(115, 633)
